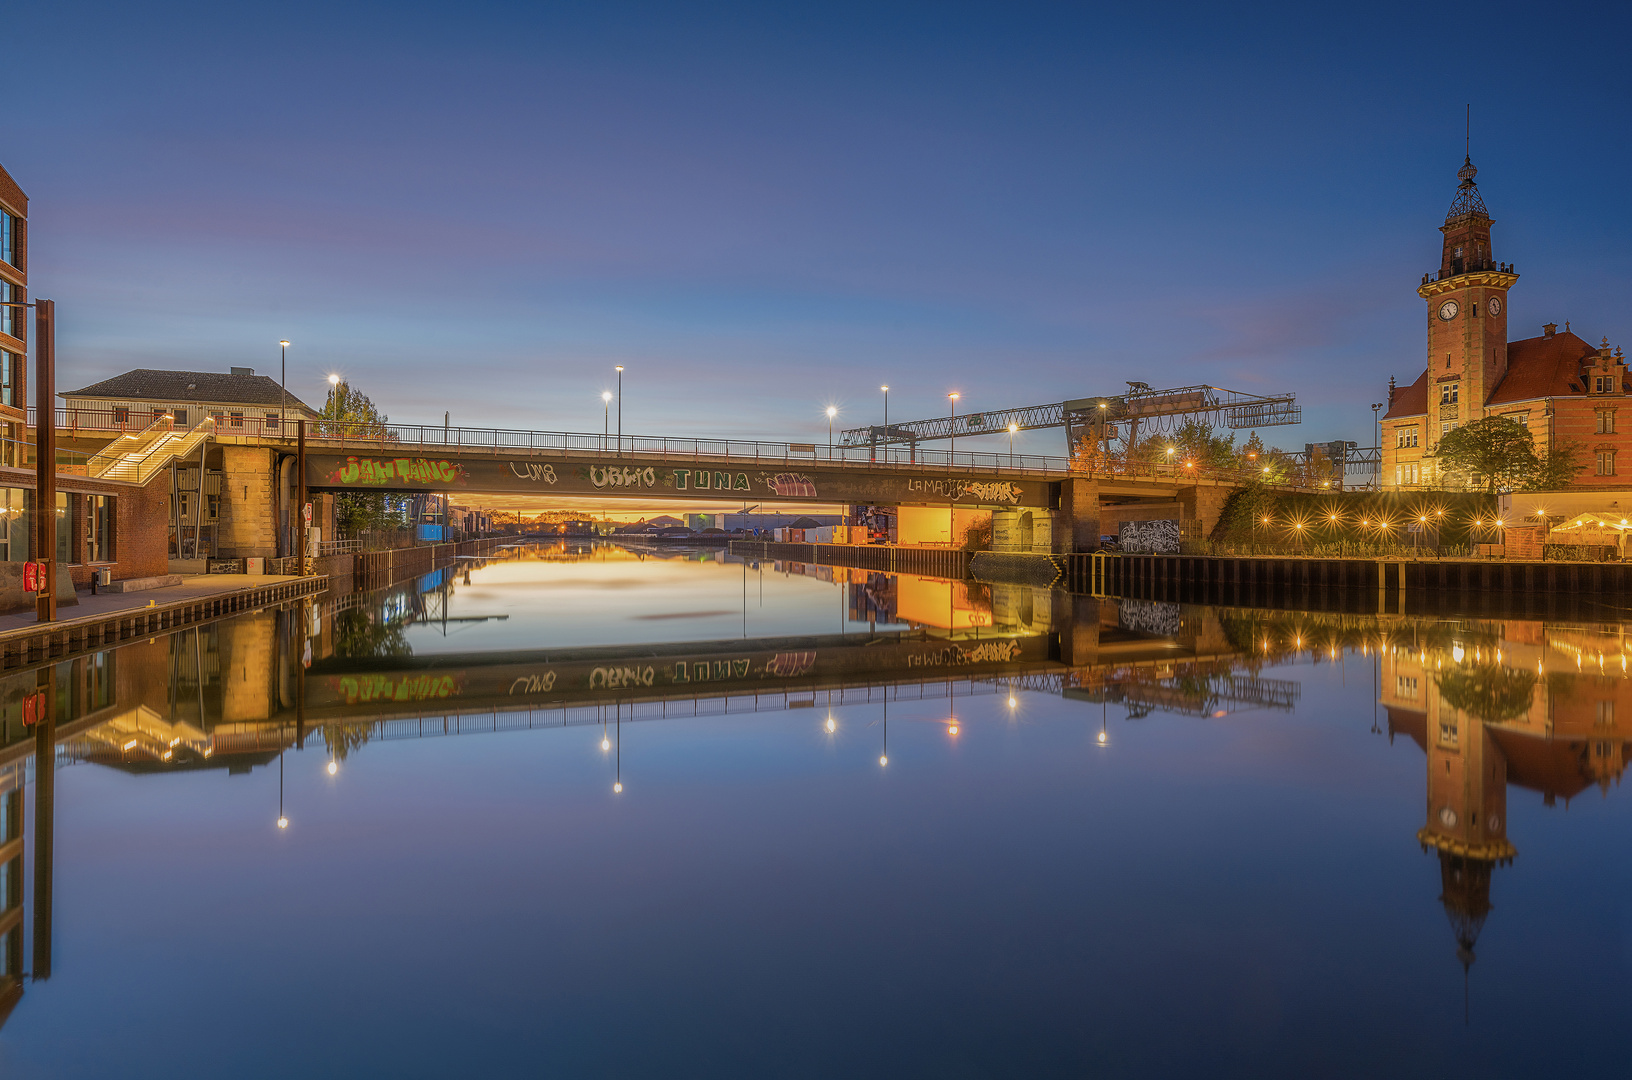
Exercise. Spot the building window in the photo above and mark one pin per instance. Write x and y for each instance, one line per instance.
(1606, 421)
(1446, 427)
(1405, 437)
(1606, 713)
(11, 319)
(14, 526)
(272, 421)
(10, 364)
(1405, 686)
(1448, 393)
(1606, 463)
(181, 417)
(99, 528)
(1520, 418)
(121, 414)
(237, 418)
(158, 414)
(1603, 384)
(1447, 734)
(8, 238)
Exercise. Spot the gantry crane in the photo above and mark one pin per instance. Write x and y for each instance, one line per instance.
(1100, 418)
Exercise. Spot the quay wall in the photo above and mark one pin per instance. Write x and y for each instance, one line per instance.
(1384, 586)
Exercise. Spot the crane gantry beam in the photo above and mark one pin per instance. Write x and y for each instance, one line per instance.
(1230, 408)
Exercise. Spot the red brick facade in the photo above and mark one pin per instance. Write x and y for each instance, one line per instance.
(1559, 386)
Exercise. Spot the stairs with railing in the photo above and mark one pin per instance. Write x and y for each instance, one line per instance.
(137, 458)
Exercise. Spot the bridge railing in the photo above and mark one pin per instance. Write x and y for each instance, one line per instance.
(422, 437)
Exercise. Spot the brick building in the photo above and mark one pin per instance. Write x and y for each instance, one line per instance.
(100, 523)
(1558, 385)
(13, 320)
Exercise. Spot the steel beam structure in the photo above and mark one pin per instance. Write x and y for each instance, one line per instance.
(1229, 408)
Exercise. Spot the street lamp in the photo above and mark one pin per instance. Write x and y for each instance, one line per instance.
(954, 446)
(606, 416)
(831, 413)
(283, 383)
(1013, 427)
(620, 408)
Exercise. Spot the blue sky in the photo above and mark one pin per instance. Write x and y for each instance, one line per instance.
(758, 209)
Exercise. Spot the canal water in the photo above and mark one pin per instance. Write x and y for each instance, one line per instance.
(597, 812)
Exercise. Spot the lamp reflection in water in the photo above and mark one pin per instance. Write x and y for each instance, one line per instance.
(283, 822)
(884, 755)
(617, 776)
(334, 767)
(832, 725)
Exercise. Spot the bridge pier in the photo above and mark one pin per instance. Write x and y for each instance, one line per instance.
(1077, 524)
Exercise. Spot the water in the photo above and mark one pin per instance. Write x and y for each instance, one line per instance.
(1219, 848)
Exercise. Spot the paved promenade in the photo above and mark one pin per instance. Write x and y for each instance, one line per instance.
(192, 587)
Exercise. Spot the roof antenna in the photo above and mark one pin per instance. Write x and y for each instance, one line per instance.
(1467, 132)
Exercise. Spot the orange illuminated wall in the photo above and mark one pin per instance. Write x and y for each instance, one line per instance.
(939, 603)
(924, 525)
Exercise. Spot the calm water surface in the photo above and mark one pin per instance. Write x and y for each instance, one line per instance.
(866, 827)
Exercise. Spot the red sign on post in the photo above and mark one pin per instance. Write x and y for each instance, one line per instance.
(307, 513)
(31, 577)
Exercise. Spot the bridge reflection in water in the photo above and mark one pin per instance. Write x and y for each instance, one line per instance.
(1490, 703)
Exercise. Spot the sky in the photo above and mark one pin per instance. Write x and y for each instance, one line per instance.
(761, 210)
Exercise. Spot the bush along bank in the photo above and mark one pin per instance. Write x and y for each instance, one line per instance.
(1260, 520)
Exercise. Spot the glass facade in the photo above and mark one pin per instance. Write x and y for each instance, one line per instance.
(13, 526)
(8, 238)
(10, 364)
(11, 319)
(99, 528)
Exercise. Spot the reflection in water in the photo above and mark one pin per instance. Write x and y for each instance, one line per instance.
(1490, 703)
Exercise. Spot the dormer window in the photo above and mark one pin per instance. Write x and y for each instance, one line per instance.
(1603, 384)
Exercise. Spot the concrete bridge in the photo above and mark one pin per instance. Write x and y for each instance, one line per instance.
(248, 486)
(1038, 503)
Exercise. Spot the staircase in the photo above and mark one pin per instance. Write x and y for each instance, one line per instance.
(137, 458)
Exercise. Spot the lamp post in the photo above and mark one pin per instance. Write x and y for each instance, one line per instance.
(1013, 427)
(283, 386)
(1378, 430)
(952, 452)
(831, 413)
(606, 417)
(620, 408)
(886, 390)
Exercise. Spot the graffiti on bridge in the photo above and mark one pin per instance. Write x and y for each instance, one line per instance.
(377, 471)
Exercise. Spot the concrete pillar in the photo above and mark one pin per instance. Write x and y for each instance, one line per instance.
(248, 525)
(1077, 524)
(1042, 532)
(1005, 530)
(1203, 505)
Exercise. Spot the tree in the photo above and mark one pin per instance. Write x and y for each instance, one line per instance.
(1496, 452)
(349, 411)
(1557, 468)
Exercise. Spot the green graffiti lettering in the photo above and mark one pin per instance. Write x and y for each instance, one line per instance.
(742, 483)
(680, 478)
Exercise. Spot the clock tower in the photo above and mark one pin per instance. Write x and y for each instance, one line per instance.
(1467, 314)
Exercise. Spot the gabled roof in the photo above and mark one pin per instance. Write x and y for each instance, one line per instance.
(1537, 367)
(1543, 367)
(146, 384)
(1409, 400)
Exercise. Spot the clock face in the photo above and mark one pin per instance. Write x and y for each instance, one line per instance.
(1448, 310)
(1495, 305)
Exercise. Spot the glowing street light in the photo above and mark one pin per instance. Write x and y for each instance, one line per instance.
(1013, 427)
(606, 417)
(953, 447)
(831, 413)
